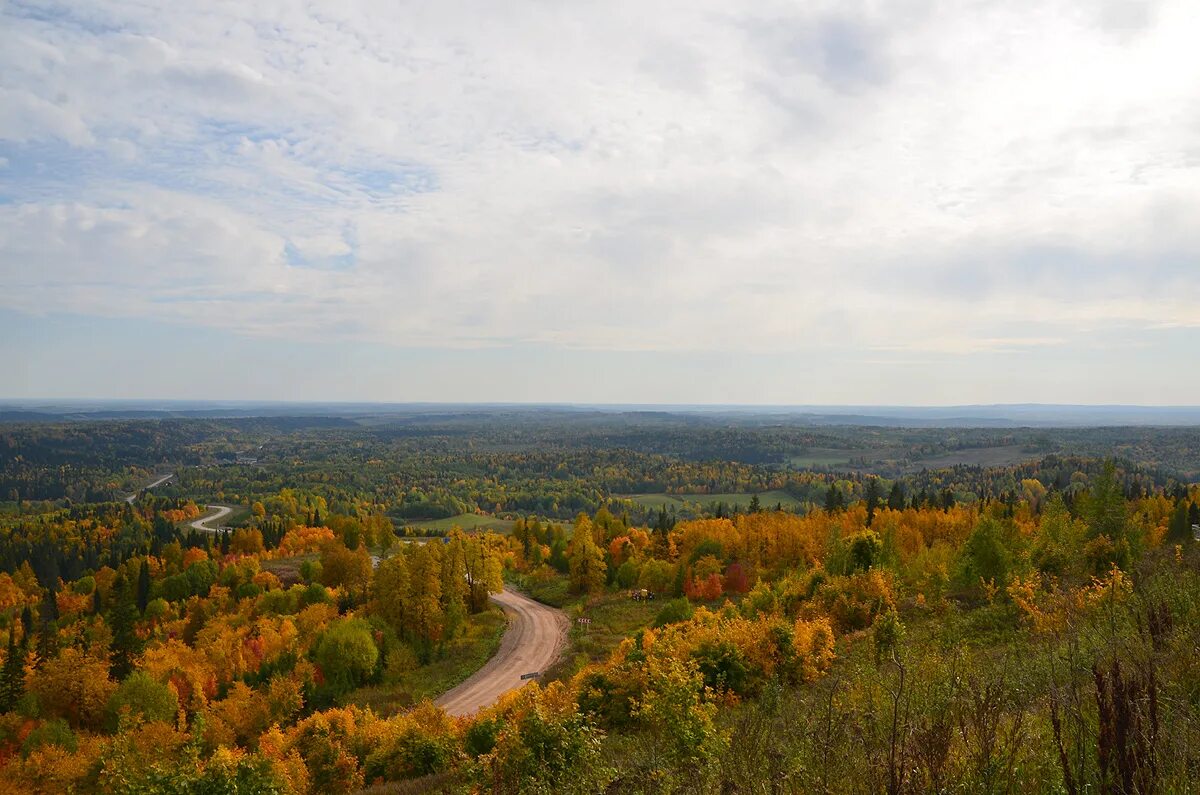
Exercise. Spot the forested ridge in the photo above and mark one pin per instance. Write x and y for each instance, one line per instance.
(1022, 628)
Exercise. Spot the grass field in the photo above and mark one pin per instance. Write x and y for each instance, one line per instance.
(768, 499)
(460, 658)
(239, 515)
(464, 521)
(822, 457)
(977, 456)
(614, 617)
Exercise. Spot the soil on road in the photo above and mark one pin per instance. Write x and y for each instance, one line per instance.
(202, 524)
(536, 636)
(132, 497)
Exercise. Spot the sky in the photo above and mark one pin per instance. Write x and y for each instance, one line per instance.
(921, 203)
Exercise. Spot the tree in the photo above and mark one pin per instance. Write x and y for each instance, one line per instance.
(627, 574)
(895, 499)
(1179, 529)
(456, 584)
(12, 675)
(1057, 544)
(142, 696)
(347, 654)
(656, 575)
(1107, 515)
(587, 564)
(558, 556)
(143, 586)
(872, 495)
(389, 592)
(484, 574)
(426, 619)
(346, 568)
(755, 506)
(74, 686)
(865, 550)
(834, 501)
(126, 645)
(47, 642)
(987, 556)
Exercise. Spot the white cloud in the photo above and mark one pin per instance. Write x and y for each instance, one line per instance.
(907, 177)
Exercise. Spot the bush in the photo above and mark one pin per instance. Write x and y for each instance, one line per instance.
(143, 697)
(54, 732)
(865, 551)
(674, 611)
(315, 594)
(347, 654)
(481, 737)
(854, 602)
(627, 574)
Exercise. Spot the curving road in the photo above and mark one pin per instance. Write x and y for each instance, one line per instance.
(132, 497)
(533, 641)
(535, 638)
(202, 523)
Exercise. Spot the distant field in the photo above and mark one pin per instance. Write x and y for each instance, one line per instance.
(768, 499)
(840, 459)
(818, 457)
(979, 456)
(464, 521)
(651, 500)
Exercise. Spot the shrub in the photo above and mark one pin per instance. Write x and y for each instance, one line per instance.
(347, 654)
(674, 611)
(142, 696)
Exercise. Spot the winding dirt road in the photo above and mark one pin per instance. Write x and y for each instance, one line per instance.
(132, 497)
(535, 638)
(220, 513)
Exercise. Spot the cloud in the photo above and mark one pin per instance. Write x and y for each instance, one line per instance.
(676, 177)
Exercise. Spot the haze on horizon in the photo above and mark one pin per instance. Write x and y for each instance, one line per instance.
(912, 204)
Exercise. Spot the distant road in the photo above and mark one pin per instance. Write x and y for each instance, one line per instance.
(129, 499)
(218, 512)
(535, 638)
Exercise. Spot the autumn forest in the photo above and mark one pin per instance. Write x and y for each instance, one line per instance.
(755, 605)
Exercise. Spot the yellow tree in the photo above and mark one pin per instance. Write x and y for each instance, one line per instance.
(586, 562)
(389, 591)
(74, 686)
(350, 569)
(483, 570)
(455, 583)
(425, 618)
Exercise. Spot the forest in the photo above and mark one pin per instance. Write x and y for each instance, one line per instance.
(877, 626)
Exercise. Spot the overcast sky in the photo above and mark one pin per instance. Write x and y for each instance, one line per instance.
(896, 202)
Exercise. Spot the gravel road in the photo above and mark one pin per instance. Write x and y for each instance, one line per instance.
(535, 638)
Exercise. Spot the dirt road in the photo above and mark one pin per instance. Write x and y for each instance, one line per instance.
(535, 637)
(202, 523)
(131, 497)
